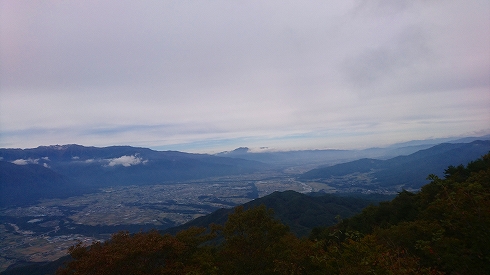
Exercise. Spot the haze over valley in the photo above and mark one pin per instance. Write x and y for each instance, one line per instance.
(52, 196)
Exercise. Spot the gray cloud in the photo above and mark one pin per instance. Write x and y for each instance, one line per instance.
(174, 73)
(394, 60)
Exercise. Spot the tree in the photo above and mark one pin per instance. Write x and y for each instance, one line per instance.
(256, 243)
(442, 228)
(141, 253)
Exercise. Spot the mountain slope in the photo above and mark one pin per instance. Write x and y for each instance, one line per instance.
(20, 184)
(409, 172)
(299, 211)
(88, 168)
(330, 156)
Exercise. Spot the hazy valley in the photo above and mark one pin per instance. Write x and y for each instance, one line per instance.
(86, 193)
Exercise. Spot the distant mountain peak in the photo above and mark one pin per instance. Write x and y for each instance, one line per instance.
(237, 151)
(241, 150)
(59, 147)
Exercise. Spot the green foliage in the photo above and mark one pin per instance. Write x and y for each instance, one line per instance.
(368, 256)
(300, 212)
(255, 243)
(443, 229)
(252, 242)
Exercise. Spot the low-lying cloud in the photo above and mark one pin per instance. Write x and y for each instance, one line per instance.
(25, 161)
(126, 161)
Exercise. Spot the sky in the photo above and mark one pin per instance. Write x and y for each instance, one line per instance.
(210, 76)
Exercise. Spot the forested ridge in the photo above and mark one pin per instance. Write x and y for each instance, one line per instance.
(300, 212)
(443, 229)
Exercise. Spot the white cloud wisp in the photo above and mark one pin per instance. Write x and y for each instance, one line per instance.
(126, 161)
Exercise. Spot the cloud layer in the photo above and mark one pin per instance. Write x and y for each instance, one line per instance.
(201, 76)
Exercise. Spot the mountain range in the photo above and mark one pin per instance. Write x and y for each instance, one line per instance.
(27, 175)
(409, 172)
(332, 156)
(51, 171)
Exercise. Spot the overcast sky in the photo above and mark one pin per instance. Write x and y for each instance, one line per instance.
(208, 76)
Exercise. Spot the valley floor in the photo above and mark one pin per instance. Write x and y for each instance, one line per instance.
(44, 231)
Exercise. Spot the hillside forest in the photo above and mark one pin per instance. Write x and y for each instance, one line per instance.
(442, 229)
